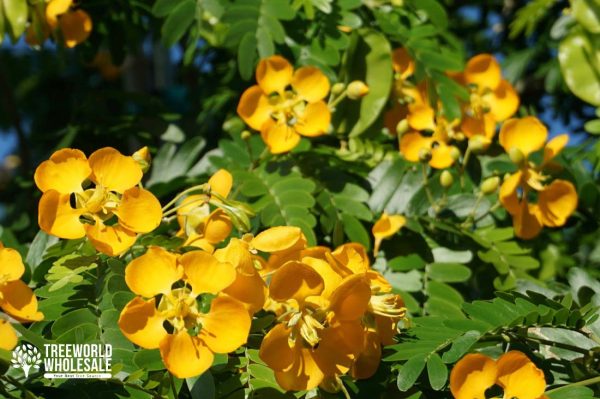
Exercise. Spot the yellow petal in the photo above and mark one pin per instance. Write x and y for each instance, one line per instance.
(330, 277)
(385, 227)
(205, 273)
(56, 217)
(402, 63)
(217, 226)
(254, 107)
(250, 290)
(484, 71)
(11, 264)
(64, 172)
(110, 240)
(275, 350)
(527, 221)
(472, 126)
(303, 374)
(421, 117)
(367, 361)
(472, 376)
(8, 336)
(526, 134)
(139, 210)
(238, 254)
(295, 280)
(56, 8)
(555, 146)
(503, 101)
(76, 27)
(350, 300)
(18, 300)
(387, 329)
(339, 346)
(412, 143)
(113, 170)
(441, 155)
(142, 324)
(508, 193)
(277, 238)
(310, 84)
(220, 182)
(557, 202)
(273, 74)
(226, 326)
(153, 273)
(352, 256)
(314, 121)
(185, 356)
(519, 376)
(279, 137)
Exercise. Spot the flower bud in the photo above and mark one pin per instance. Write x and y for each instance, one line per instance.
(337, 88)
(455, 153)
(246, 135)
(479, 143)
(357, 89)
(402, 127)
(142, 157)
(397, 3)
(424, 155)
(446, 179)
(490, 185)
(516, 156)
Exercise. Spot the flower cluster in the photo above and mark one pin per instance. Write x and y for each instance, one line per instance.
(100, 198)
(513, 372)
(427, 136)
(16, 298)
(64, 21)
(286, 105)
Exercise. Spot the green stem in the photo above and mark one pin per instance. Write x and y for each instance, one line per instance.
(338, 100)
(426, 185)
(463, 167)
(181, 194)
(173, 386)
(583, 383)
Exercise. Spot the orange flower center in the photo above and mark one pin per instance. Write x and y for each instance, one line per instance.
(287, 108)
(97, 201)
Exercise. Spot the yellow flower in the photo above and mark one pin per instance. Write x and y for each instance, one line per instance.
(249, 286)
(385, 227)
(75, 25)
(518, 376)
(16, 298)
(200, 226)
(286, 105)
(435, 148)
(193, 336)
(320, 332)
(554, 202)
(110, 213)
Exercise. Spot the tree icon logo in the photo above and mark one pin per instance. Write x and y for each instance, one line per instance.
(26, 356)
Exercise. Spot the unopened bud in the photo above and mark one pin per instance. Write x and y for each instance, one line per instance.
(490, 185)
(516, 156)
(402, 127)
(357, 89)
(446, 179)
(455, 153)
(424, 155)
(459, 136)
(479, 143)
(246, 135)
(397, 3)
(143, 158)
(337, 88)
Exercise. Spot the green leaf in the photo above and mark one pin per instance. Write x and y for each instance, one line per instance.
(406, 263)
(247, 55)
(178, 22)
(448, 272)
(460, 346)
(434, 10)
(368, 60)
(593, 126)
(437, 372)
(15, 12)
(571, 392)
(148, 359)
(356, 231)
(171, 163)
(409, 372)
(578, 56)
(587, 13)
(202, 387)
